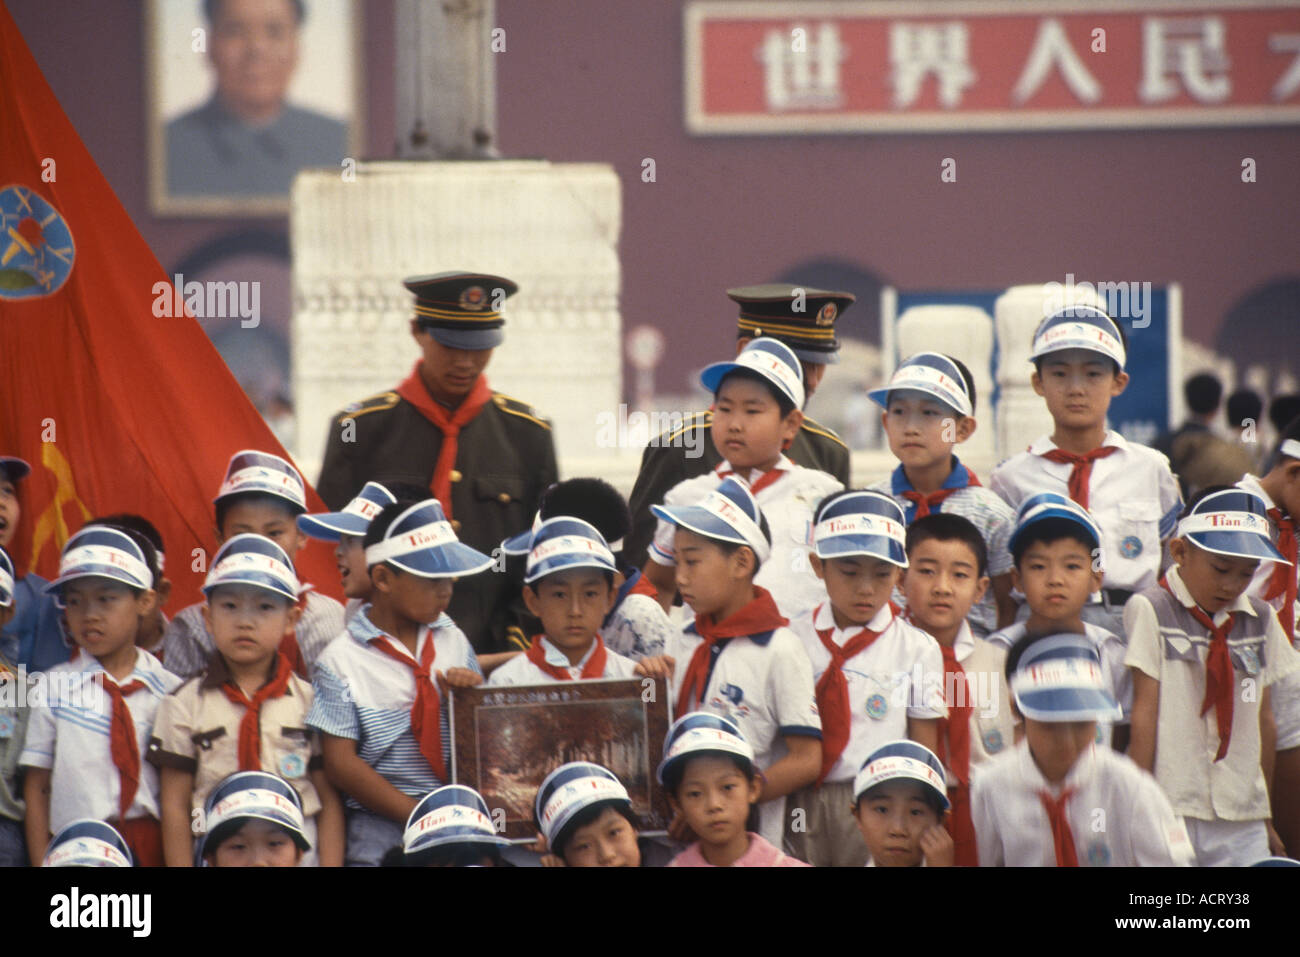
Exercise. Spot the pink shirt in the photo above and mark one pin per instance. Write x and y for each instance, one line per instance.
(760, 854)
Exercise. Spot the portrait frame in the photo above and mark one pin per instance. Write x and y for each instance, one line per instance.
(617, 723)
(179, 79)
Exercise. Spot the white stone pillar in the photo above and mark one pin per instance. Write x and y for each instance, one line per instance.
(552, 228)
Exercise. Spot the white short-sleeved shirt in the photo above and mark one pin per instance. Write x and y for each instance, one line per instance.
(1132, 495)
(637, 627)
(764, 684)
(70, 735)
(992, 728)
(899, 676)
(1232, 789)
(987, 512)
(788, 504)
(520, 671)
(1118, 815)
(1110, 647)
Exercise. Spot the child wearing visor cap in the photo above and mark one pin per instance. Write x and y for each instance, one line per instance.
(899, 803)
(85, 742)
(1204, 658)
(381, 686)
(450, 827)
(869, 665)
(88, 844)
(14, 713)
(1057, 798)
(248, 710)
(757, 400)
(253, 819)
(585, 815)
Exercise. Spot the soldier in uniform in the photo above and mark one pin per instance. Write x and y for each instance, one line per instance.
(802, 318)
(485, 456)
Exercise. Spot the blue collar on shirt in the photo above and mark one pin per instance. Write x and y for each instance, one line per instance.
(958, 477)
(363, 630)
(762, 638)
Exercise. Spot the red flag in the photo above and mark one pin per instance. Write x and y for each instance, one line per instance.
(116, 408)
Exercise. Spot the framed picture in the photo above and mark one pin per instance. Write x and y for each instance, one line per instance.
(507, 740)
(245, 93)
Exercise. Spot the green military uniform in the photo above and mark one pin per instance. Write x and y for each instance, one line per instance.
(505, 459)
(804, 319)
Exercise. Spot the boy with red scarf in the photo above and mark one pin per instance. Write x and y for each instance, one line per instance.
(1204, 658)
(737, 658)
(878, 678)
(381, 686)
(571, 581)
(486, 457)
(248, 711)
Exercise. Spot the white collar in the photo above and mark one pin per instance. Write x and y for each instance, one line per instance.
(558, 659)
(964, 644)
(824, 618)
(1184, 597)
(751, 476)
(1044, 443)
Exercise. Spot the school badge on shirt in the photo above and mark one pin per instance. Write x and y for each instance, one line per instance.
(292, 766)
(877, 706)
(992, 741)
(6, 726)
(1130, 546)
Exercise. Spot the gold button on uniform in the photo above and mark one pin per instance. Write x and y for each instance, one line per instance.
(503, 497)
(455, 476)
(455, 525)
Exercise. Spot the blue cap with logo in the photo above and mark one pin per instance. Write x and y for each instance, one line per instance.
(1079, 327)
(570, 789)
(88, 843)
(100, 551)
(700, 733)
(728, 513)
(563, 542)
(1052, 505)
(861, 523)
(1059, 678)
(902, 761)
(250, 559)
(453, 814)
(267, 474)
(421, 541)
(353, 520)
(932, 373)
(251, 796)
(1231, 522)
(769, 358)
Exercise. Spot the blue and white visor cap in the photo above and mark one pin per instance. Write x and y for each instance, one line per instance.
(929, 372)
(253, 471)
(1289, 448)
(98, 551)
(250, 559)
(353, 520)
(1079, 327)
(1059, 678)
(15, 468)
(902, 761)
(702, 732)
(88, 843)
(770, 358)
(6, 580)
(862, 523)
(420, 541)
(728, 513)
(521, 544)
(1277, 862)
(453, 814)
(1049, 505)
(570, 789)
(563, 542)
(1232, 522)
(254, 795)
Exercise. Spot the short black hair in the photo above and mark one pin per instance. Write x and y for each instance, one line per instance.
(947, 527)
(1051, 530)
(782, 400)
(1244, 404)
(931, 799)
(227, 502)
(1115, 366)
(730, 548)
(141, 541)
(129, 521)
(674, 773)
(1203, 392)
(589, 815)
(591, 499)
(1283, 409)
(212, 7)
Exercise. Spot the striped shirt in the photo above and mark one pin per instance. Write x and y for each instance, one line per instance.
(188, 645)
(363, 694)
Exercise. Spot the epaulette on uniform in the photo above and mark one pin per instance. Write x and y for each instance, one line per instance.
(375, 403)
(695, 420)
(508, 403)
(818, 429)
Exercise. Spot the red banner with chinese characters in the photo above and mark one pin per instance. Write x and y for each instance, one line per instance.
(798, 67)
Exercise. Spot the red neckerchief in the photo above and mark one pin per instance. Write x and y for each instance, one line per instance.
(1283, 579)
(122, 743)
(767, 478)
(1218, 672)
(449, 423)
(758, 615)
(833, 690)
(928, 502)
(250, 749)
(643, 586)
(1062, 836)
(594, 668)
(425, 712)
(1081, 473)
(954, 752)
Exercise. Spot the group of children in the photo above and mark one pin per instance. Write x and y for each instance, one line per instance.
(1068, 667)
